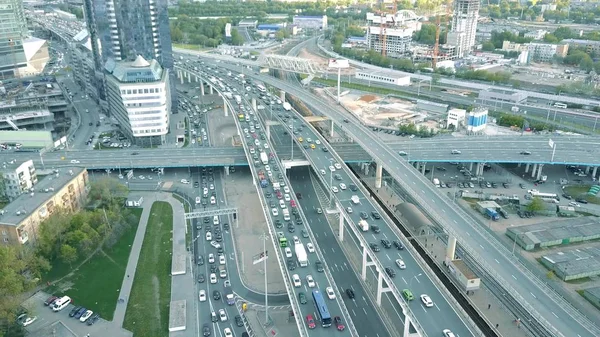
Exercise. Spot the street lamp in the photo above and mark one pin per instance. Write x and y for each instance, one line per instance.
(414, 278)
(265, 237)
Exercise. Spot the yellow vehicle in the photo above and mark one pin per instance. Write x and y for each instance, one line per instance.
(312, 146)
(300, 139)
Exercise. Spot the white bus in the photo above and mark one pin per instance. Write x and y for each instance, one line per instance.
(61, 303)
(560, 105)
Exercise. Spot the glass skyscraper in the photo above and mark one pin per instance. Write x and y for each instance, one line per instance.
(122, 29)
(13, 29)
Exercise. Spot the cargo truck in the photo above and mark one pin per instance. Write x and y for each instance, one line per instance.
(301, 254)
(287, 106)
(363, 225)
(238, 99)
(492, 214)
(264, 158)
(229, 293)
(228, 95)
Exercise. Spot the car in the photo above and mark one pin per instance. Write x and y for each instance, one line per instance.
(525, 153)
(291, 228)
(349, 210)
(375, 215)
(310, 247)
(400, 263)
(93, 319)
(375, 229)
(222, 315)
(325, 149)
(386, 243)
(402, 153)
(288, 252)
(85, 316)
(342, 186)
(330, 293)
(291, 264)
(200, 260)
(74, 311)
(455, 152)
(331, 168)
(238, 321)
(215, 243)
(319, 210)
(222, 259)
(566, 196)
(302, 298)
(202, 295)
(374, 247)
(211, 258)
(390, 272)
(296, 240)
(296, 280)
(364, 215)
(310, 281)
(426, 300)
(338, 323)
(574, 204)
(274, 211)
(213, 278)
(334, 189)
(29, 320)
(80, 313)
(216, 295)
(74, 161)
(448, 333)
(319, 266)
(310, 321)
(208, 236)
(407, 295)
(304, 233)
(206, 331)
(338, 166)
(398, 245)
(581, 201)
(201, 278)
(213, 317)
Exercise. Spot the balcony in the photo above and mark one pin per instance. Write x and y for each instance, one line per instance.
(23, 236)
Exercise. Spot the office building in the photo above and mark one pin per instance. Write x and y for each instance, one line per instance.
(310, 22)
(18, 177)
(464, 26)
(477, 120)
(122, 30)
(66, 189)
(13, 30)
(392, 32)
(456, 119)
(139, 97)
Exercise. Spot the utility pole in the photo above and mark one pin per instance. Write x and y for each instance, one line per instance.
(264, 237)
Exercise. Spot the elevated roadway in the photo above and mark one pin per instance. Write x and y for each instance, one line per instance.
(560, 318)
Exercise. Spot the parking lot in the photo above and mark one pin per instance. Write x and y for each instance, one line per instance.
(59, 324)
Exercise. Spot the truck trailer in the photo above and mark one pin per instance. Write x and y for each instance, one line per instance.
(301, 255)
(287, 106)
(264, 158)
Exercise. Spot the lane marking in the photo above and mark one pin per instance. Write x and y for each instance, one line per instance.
(514, 277)
(533, 295)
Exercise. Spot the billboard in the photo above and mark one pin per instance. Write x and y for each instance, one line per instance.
(338, 63)
(228, 30)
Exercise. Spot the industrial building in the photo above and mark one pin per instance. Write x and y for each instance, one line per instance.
(456, 118)
(310, 22)
(464, 26)
(66, 189)
(477, 120)
(574, 264)
(18, 178)
(592, 295)
(554, 233)
(384, 77)
(433, 107)
(392, 32)
(463, 275)
(502, 95)
(139, 97)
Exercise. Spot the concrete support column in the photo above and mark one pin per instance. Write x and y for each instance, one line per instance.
(587, 169)
(178, 73)
(379, 286)
(535, 166)
(201, 88)
(282, 96)
(196, 79)
(527, 168)
(341, 233)
(226, 170)
(451, 248)
(519, 164)
(539, 172)
(254, 105)
(406, 332)
(417, 165)
(211, 89)
(365, 261)
(331, 129)
(225, 107)
(189, 77)
(181, 77)
(471, 167)
(423, 165)
(378, 175)
(594, 171)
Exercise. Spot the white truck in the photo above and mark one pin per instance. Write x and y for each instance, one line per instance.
(286, 214)
(228, 95)
(264, 158)
(436, 182)
(363, 225)
(514, 109)
(301, 254)
(287, 106)
(355, 199)
(276, 186)
(238, 99)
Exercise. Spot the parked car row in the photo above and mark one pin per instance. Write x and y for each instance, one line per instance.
(81, 313)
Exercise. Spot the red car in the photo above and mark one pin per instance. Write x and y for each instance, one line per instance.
(310, 321)
(338, 323)
(292, 203)
(50, 300)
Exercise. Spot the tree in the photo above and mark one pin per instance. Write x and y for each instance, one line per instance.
(536, 205)
(12, 281)
(236, 38)
(280, 35)
(68, 254)
(488, 46)
(106, 191)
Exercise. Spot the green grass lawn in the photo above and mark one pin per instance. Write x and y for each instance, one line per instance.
(148, 308)
(96, 283)
(580, 191)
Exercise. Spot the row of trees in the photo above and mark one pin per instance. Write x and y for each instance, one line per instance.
(509, 120)
(63, 237)
(411, 129)
(207, 33)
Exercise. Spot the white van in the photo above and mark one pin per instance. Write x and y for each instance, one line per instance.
(216, 220)
(61, 303)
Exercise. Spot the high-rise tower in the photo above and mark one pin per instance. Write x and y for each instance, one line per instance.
(464, 26)
(13, 29)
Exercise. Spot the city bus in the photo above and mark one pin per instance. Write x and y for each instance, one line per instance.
(321, 309)
(560, 105)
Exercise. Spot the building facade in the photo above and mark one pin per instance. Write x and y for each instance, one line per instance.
(384, 77)
(477, 120)
(310, 22)
(13, 30)
(66, 189)
(539, 52)
(464, 26)
(392, 32)
(589, 45)
(19, 178)
(139, 96)
(456, 118)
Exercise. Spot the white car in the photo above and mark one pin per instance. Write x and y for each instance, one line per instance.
(318, 142)
(322, 171)
(296, 280)
(331, 168)
(211, 258)
(205, 191)
(426, 300)
(308, 140)
(334, 189)
(574, 204)
(286, 197)
(222, 259)
(330, 293)
(274, 211)
(222, 315)
(227, 332)
(142, 177)
(85, 316)
(349, 210)
(198, 200)
(267, 168)
(213, 278)
(208, 236)
(456, 152)
(310, 281)
(212, 186)
(213, 200)
(29, 320)
(343, 186)
(296, 240)
(215, 244)
(448, 333)
(400, 264)
(338, 166)
(288, 252)
(310, 247)
(74, 161)
(184, 181)
(266, 146)
(202, 295)
(286, 189)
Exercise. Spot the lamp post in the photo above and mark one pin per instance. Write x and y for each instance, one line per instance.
(414, 278)
(264, 237)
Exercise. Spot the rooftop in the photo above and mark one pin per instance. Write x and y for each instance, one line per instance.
(138, 70)
(558, 230)
(576, 261)
(464, 269)
(11, 166)
(21, 207)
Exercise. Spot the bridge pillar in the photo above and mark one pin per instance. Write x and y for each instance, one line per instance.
(366, 263)
(379, 286)
(451, 248)
(527, 168)
(378, 175)
(282, 96)
(341, 233)
(254, 105)
(331, 130)
(535, 166)
(407, 322)
(196, 79)
(416, 165)
(225, 107)
(594, 171)
(587, 169)
(202, 88)
(519, 164)
(539, 171)
(226, 170)
(181, 77)
(471, 167)
(211, 89)
(423, 166)
(189, 77)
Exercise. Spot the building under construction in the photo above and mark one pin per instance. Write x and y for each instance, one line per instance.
(464, 26)
(392, 33)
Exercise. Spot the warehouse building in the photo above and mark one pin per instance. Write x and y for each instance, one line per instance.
(383, 77)
(574, 264)
(592, 295)
(502, 95)
(554, 233)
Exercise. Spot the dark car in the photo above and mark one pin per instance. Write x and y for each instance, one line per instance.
(375, 215)
(338, 323)
(302, 298)
(93, 319)
(216, 295)
(319, 266)
(364, 215)
(206, 220)
(299, 195)
(325, 149)
(80, 312)
(50, 300)
(398, 245)
(196, 184)
(278, 223)
(350, 293)
(206, 330)
(291, 263)
(200, 260)
(268, 194)
(525, 153)
(353, 187)
(386, 243)
(390, 271)
(201, 278)
(582, 201)
(291, 228)
(375, 229)
(213, 269)
(226, 226)
(218, 237)
(566, 196)
(74, 311)
(238, 321)
(304, 233)
(374, 247)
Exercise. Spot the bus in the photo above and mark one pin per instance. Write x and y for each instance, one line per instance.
(321, 308)
(261, 88)
(560, 105)
(241, 117)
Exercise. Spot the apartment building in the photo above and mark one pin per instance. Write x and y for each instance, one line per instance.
(539, 52)
(589, 45)
(19, 178)
(65, 189)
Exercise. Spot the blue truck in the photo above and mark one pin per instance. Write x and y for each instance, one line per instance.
(492, 214)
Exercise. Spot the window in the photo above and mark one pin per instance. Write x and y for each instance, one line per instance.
(135, 91)
(128, 92)
(5, 239)
(4, 233)
(145, 91)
